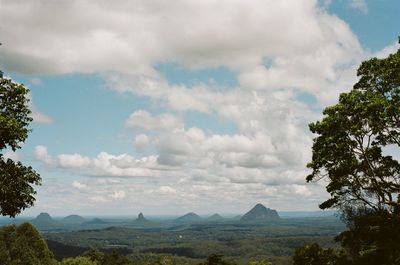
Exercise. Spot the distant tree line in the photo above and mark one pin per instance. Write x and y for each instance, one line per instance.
(23, 245)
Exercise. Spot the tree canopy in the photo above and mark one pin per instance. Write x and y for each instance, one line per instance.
(357, 138)
(357, 151)
(16, 180)
(315, 255)
(23, 245)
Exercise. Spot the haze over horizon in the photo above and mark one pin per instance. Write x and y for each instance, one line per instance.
(185, 106)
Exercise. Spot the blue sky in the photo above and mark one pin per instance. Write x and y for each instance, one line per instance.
(188, 106)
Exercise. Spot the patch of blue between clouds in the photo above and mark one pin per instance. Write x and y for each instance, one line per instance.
(88, 117)
(308, 99)
(268, 62)
(376, 28)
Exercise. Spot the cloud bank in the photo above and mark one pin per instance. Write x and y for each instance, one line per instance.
(290, 58)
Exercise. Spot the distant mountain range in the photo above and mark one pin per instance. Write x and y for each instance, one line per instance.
(45, 222)
(258, 214)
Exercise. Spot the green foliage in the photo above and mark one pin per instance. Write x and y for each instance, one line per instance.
(16, 180)
(351, 151)
(216, 259)
(316, 255)
(373, 237)
(260, 262)
(106, 258)
(236, 241)
(148, 259)
(114, 259)
(94, 255)
(348, 150)
(166, 260)
(16, 191)
(14, 115)
(23, 245)
(78, 261)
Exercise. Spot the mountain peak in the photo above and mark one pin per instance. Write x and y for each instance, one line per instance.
(141, 217)
(73, 218)
(43, 217)
(260, 213)
(215, 217)
(142, 221)
(189, 217)
(43, 221)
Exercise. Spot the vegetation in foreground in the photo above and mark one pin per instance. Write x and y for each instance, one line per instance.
(23, 245)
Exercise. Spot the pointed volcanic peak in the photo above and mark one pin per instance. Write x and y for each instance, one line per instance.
(74, 219)
(141, 218)
(188, 218)
(260, 213)
(44, 222)
(215, 218)
(142, 221)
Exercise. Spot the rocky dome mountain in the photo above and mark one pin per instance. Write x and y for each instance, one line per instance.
(44, 221)
(215, 217)
(188, 218)
(74, 219)
(95, 221)
(44, 217)
(260, 213)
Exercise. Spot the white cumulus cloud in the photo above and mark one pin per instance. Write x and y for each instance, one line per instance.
(42, 155)
(79, 186)
(143, 120)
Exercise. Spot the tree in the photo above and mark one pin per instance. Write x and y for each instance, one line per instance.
(16, 180)
(215, 259)
(316, 255)
(106, 258)
(260, 262)
(355, 149)
(166, 260)
(78, 261)
(373, 237)
(354, 137)
(23, 245)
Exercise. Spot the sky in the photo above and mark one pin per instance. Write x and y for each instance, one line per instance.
(166, 107)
